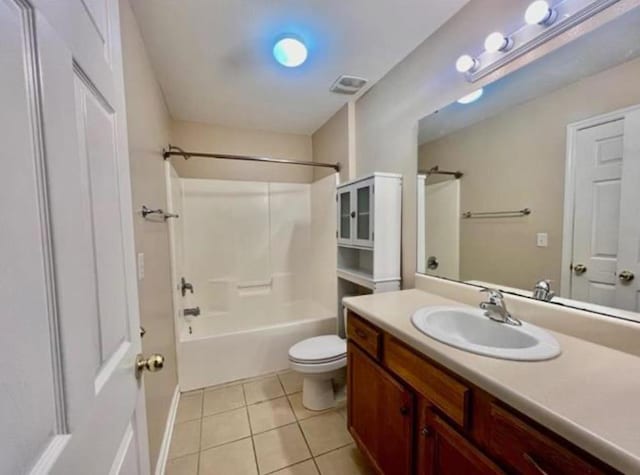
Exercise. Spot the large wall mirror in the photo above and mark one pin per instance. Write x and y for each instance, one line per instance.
(539, 178)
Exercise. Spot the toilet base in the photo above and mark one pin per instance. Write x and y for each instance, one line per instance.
(318, 392)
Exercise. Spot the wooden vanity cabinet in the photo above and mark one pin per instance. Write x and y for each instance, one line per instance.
(410, 415)
(380, 414)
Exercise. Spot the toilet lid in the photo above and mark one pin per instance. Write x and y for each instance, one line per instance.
(319, 349)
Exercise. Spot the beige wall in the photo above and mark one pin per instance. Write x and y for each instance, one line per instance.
(148, 127)
(515, 160)
(331, 144)
(198, 137)
(426, 80)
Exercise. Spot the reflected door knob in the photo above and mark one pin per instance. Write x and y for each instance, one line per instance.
(153, 363)
(626, 276)
(579, 269)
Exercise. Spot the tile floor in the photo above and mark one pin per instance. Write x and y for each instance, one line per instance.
(259, 426)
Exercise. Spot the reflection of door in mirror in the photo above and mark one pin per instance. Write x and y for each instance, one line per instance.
(604, 214)
(439, 207)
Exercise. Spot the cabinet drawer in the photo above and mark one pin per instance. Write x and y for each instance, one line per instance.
(367, 336)
(446, 393)
(528, 451)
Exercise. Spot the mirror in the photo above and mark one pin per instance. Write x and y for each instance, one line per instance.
(539, 178)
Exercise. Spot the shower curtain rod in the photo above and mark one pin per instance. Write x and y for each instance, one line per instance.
(173, 150)
(436, 171)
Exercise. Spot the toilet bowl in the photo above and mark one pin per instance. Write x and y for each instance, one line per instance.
(320, 360)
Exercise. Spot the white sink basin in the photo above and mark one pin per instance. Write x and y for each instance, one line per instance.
(469, 329)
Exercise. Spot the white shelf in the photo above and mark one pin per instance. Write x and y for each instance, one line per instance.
(365, 279)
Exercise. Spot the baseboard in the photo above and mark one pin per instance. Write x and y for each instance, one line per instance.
(161, 464)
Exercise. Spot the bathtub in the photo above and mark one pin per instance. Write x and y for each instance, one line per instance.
(220, 347)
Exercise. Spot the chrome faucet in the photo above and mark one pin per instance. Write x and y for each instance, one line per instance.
(542, 291)
(496, 308)
(191, 312)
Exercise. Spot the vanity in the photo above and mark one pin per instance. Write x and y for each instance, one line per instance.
(416, 405)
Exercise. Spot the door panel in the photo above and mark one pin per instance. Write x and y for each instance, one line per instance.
(344, 216)
(628, 293)
(72, 339)
(363, 213)
(380, 413)
(26, 283)
(597, 211)
(98, 151)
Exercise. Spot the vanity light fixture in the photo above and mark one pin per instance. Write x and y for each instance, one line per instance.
(543, 21)
(467, 64)
(471, 97)
(290, 52)
(496, 41)
(540, 13)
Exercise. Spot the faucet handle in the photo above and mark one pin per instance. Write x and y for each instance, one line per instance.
(494, 295)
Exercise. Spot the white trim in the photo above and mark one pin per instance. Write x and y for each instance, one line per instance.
(50, 455)
(569, 191)
(421, 237)
(163, 454)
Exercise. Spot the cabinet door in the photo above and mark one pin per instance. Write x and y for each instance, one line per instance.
(345, 216)
(380, 414)
(363, 220)
(441, 450)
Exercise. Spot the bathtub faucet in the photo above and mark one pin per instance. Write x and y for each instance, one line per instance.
(191, 312)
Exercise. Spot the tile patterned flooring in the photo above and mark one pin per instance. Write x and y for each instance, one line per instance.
(257, 427)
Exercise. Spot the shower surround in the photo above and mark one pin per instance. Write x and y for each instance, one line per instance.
(261, 258)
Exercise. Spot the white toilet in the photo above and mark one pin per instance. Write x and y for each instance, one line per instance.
(320, 360)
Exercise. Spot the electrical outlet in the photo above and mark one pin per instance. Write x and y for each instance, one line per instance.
(542, 239)
(140, 265)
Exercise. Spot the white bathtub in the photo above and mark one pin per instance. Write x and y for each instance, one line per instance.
(222, 346)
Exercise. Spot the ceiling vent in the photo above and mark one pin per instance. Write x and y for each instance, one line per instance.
(348, 85)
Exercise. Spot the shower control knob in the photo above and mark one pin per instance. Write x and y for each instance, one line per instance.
(153, 363)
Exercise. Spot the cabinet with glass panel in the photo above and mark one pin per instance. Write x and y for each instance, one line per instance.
(368, 230)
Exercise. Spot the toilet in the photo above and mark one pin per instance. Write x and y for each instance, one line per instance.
(320, 360)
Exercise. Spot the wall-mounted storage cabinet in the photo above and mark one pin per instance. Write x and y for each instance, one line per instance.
(368, 234)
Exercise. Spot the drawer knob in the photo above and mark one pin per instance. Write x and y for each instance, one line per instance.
(535, 464)
(361, 334)
(404, 410)
(426, 431)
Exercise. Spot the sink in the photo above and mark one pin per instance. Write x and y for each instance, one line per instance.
(470, 330)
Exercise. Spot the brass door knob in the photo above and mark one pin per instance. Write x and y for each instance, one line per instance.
(626, 276)
(153, 363)
(579, 269)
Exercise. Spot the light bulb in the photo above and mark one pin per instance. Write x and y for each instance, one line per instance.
(496, 41)
(472, 97)
(466, 64)
(290, 52)
(540, 13)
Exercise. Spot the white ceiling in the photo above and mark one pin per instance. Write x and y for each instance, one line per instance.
(214, 63)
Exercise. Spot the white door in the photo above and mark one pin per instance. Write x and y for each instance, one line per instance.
(442, 229)
(70, 402)
(606, 229)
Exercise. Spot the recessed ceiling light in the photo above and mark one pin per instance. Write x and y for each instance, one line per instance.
(540, 13)
(496, 41)
(472, 97)
(467, 64)
(290, 52)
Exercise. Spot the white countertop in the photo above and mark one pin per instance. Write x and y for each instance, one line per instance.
(590, 394)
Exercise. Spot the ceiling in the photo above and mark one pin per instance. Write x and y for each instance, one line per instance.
(214, 63)
(612, 44)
